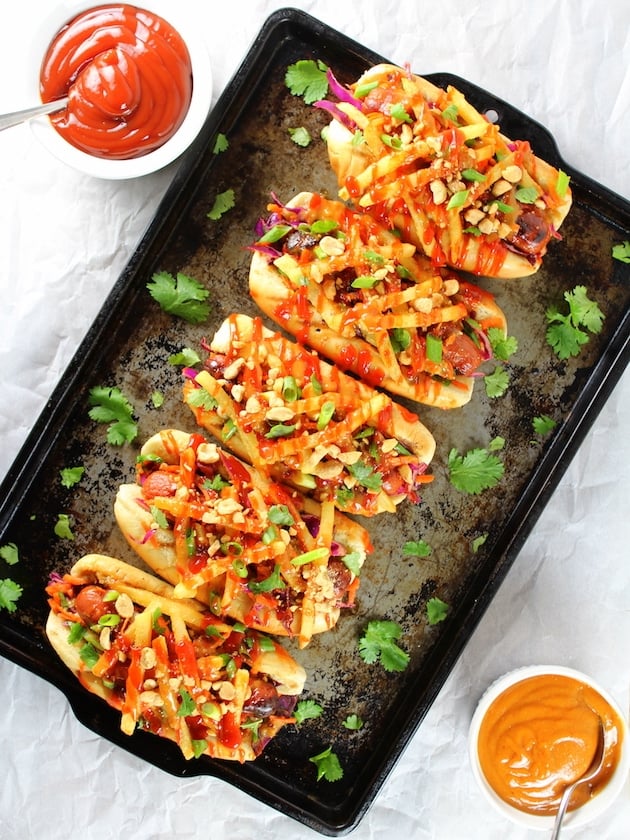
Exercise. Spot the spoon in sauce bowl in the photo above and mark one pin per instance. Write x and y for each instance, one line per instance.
(591, 772)
(17, 117)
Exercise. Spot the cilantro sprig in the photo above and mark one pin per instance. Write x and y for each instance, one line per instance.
(328, 766)
(568, 333)
(300, 136)
(307, 710)
(307, 78)
(109, 405)
(543, 424)
(222, 203)
(476, 470)
(416, 548)
(378, 644)
(69, 476)
(10, 591)
(437, 610)
(181, 296)
(497, 382)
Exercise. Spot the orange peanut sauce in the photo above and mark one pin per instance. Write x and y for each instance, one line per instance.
(540, 735)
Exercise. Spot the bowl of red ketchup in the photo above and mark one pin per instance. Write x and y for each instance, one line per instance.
(534, 732)
(138, 79)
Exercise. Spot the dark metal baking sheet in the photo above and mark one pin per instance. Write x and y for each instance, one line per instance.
(129, 345)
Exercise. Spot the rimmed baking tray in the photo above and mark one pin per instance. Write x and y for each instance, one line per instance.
(129, 344)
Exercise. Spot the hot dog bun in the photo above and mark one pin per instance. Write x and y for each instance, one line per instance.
(269, 584)
(128, 640)
(370, 304)
(326, 422)
(435, 168)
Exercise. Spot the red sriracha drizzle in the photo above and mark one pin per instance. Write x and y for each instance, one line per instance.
(128, 74)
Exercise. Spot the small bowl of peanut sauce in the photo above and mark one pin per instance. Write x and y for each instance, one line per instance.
(534, 732)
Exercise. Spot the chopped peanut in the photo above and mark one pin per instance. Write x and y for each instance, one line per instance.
(124, 605)
(280, 414)
(231, 371)
(252, 406)
(473, 216)
(238, 392)
(450, 287)
(439, 192)
(148, 658)
(207, 453)
(226, 507)
(513, 173)
(501, 187)
(332, 247)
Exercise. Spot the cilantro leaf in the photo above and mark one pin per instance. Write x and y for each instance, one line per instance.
(182, 296)
(187, 357)
(10, 554)
(199, 746)
(307, 710)
(564, 338)
(280, 515)
(436, 610)
(416, 549)
(216, 483)
(307, 78)
(109, 405)
(71, 476)
(268, 584)
(300, 136)
(400, 339)
(10, 592)
(187, 706)
(503, 346)
(544, 424)
(201, 398)
(353, 722)
(352, 562)
(89, 655)
(63, 529)
(584, 312)
(221, 144)
(378, 644)
(475, 471)
(622, 252)
(222, 203)
(497, 382)
(366, 476)
(564, 333)
(328, 766)
(398, 112)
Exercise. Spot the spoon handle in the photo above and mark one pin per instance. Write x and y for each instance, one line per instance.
(566, 796)
(17, 117)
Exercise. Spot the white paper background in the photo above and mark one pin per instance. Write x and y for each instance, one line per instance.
(64, 238)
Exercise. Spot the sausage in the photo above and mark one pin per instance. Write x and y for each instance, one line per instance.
(90, 605)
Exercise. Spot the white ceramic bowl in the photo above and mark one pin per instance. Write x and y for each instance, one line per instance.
(591, 809)
(44, 32)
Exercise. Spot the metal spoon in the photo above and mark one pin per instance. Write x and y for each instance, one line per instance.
(17, 117)
(591, 771)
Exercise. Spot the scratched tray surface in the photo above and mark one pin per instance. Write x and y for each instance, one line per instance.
(129, 345)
